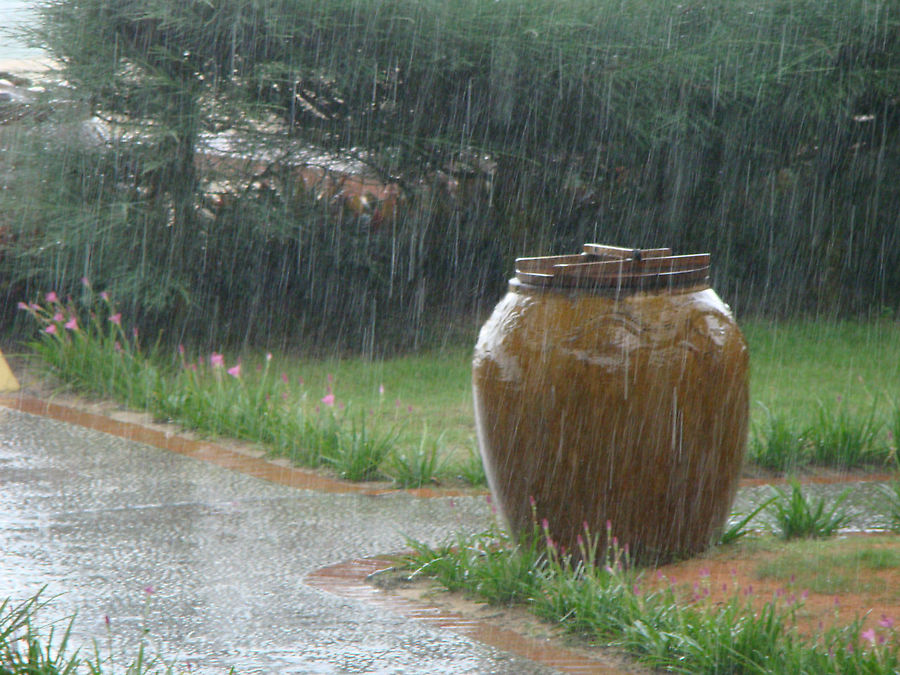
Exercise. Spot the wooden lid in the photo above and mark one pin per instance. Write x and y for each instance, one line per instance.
(601, 266)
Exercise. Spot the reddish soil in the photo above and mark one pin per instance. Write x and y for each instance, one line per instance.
(872, 595)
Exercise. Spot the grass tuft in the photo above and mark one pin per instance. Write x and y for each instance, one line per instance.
(891, 497)
(359, 453)
(799, 517)
(26, 650)
(840, 439)
(416, 466)
(600, 597)
(774, 444)
(740, 527)
(471, 470)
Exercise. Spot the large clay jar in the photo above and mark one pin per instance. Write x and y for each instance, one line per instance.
(611, 393)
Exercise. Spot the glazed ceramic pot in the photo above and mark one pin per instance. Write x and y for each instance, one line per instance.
(611, 395)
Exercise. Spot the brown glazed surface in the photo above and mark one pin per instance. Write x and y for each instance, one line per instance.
(629, 408)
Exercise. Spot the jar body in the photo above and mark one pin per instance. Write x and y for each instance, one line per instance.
(622, 409)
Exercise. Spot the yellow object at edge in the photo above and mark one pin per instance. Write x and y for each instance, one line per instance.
(8, 381)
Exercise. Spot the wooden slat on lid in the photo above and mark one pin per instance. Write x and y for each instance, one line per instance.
(603, 266)
(620, 252)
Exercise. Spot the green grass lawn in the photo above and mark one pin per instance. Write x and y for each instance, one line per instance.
(795, 368)
(797, 365)
(822, 393)
(427, 393)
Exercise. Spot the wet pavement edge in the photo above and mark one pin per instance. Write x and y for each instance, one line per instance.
(350, 579)
(347, 579)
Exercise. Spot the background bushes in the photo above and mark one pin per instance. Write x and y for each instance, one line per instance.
(765, 131)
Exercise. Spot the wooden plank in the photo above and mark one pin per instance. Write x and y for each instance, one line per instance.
(546, 263)
(626, 265)
(621, 252)
(612, 251)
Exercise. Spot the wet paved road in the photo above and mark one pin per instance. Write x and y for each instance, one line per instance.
(98, 519)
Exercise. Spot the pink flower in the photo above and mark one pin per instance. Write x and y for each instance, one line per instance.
(58, 316)
(181, 349)
(545, 524)
(51, 297)
(85, 282)
(216, 360)
(21, 305)
(869, 635)
(51, 329)
(72, 324)
(116, 318)
(268, 356)
(148, 590)
(104, 296)
(381, 390)
(328, 399)
(235, 371)
(886, 621)
(284, 378)
(117, 346)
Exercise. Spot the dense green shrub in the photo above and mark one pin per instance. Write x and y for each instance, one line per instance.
(763, 130)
